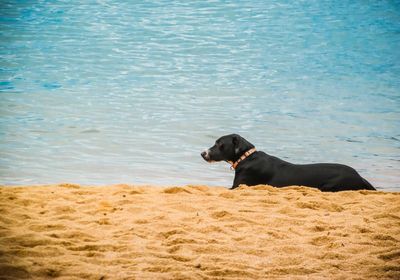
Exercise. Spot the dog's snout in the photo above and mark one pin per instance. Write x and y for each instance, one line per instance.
(205, 155)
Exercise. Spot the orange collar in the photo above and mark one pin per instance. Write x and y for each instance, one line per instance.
(243, 157)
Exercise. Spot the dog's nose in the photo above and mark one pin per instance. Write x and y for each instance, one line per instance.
(203, 154)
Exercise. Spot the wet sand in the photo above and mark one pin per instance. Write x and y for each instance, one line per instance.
(197, 232)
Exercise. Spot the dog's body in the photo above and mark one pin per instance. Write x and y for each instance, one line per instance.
(261, 168)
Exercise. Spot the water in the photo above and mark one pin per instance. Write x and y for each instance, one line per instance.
(132, 91)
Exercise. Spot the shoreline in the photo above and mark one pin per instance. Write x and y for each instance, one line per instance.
(69, 231)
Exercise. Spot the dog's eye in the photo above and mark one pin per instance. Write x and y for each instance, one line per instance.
(221, 146)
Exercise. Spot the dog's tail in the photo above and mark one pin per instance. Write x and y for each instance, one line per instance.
(368, 186)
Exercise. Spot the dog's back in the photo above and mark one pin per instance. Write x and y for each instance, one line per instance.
(265, 169)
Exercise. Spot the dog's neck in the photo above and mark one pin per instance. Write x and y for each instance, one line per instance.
(241, 148)
(241, 158)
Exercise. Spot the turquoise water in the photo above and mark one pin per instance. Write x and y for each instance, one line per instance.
(132, 91)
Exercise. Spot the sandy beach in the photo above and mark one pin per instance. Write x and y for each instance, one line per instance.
(197, 232)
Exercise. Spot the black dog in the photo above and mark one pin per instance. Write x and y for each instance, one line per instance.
(255, 167)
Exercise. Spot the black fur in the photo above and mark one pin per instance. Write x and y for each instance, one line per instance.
(261, 168)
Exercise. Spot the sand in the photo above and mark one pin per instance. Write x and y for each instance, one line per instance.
(197, 232)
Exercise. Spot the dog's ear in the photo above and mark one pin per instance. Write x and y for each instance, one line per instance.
(235, 140)
(236, 143)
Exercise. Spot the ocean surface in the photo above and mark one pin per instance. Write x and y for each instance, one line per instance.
(103, 92)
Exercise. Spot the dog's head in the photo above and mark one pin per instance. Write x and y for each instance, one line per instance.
(227, 148)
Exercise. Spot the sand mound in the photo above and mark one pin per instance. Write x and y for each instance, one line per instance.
(197, 232)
